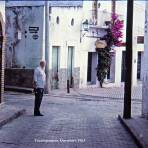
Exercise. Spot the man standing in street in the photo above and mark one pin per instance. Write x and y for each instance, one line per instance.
(39, 84)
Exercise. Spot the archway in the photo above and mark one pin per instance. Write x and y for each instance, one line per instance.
(1, 59)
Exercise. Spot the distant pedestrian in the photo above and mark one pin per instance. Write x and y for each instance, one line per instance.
(39, 84)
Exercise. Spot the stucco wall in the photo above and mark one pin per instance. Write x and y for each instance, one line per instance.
(24, 30)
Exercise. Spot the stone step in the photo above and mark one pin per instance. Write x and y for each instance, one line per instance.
(9, 113)
(138, 128)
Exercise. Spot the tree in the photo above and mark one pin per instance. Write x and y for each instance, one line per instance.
(112, 37)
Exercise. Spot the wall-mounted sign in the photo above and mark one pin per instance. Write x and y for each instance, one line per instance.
(19, 34)
(34, 31)
(35, 36)
(100, 44)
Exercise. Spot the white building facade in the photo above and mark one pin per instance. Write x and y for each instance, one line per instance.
(117, 73)
(71, 49)
(25, 28)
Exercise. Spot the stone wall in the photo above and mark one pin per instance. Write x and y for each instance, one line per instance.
(19, 77)
(24, 77)
(63, 77)
(76, 75)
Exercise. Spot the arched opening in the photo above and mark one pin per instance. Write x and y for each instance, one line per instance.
(1, 61)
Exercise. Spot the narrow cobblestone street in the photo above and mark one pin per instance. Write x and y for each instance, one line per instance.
(68, 122)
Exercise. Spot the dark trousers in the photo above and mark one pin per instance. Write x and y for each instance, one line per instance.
(38, 99)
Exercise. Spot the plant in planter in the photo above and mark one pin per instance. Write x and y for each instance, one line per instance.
(112, 38)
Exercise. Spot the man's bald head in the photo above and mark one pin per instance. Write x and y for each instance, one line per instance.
(42, 64)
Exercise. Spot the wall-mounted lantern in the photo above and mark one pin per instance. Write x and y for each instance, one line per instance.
(85, 25)
(84, 29)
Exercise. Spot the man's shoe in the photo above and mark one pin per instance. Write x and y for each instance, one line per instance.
(38, 114)
(41, 114)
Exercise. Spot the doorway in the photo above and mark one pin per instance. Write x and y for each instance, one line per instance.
(139, 65)
(123, 67)
(91, 68)
(55, 67)
(70, 65)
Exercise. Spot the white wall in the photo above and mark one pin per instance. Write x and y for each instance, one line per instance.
(2, 8)
(2, 12)
(138, 30)
(145, 69)
(63, 34)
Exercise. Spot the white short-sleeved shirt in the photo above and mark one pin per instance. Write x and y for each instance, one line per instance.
(39, 77)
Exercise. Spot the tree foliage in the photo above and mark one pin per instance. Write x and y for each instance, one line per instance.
(113, 37)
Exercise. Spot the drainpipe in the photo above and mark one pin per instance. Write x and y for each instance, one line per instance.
(128, 61)
(96, 11)
(113, 6)
(47, 47)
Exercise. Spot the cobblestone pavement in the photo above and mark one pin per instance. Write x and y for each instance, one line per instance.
(68, 122)
(106, 92)
(112, 92)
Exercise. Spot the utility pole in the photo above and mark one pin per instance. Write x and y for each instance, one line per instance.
(128, 61)
(47, 48)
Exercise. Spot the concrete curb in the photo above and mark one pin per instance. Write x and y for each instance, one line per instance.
(132, 132)
(14, 116)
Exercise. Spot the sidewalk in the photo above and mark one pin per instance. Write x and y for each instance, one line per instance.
(138, 128)
(9, 113)
(111, 92)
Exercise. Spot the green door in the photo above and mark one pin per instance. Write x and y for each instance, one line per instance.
(55, 67)
(70, 64)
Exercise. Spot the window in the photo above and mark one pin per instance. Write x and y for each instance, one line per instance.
(140, 39)
(57, 20)
(72, 22)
